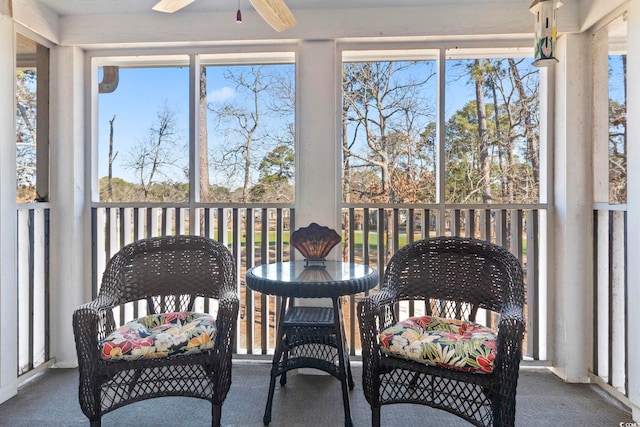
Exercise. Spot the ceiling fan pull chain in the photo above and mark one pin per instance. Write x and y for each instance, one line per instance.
(239, 14)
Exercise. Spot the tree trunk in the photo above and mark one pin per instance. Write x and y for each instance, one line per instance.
(504, 181)
(483, 137)
(533, 145)
(203, 139)
(346, 180)
(111, 159)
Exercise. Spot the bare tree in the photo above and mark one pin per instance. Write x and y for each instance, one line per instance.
(483, 135)
(112, 158)
(149, 158)
(203, 139)
(492, 141)
(383, 119)
(524, 101)
(26, 109)
(261, 93)
(618, 139)
(503, 120)
(238, 158)
(515, 94)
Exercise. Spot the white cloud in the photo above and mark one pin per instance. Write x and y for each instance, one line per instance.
(222, 94)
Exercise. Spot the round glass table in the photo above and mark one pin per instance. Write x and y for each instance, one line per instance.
(311, 336)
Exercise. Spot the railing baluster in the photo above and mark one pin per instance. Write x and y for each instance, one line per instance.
(486, 225)
(470, 225)
(395, 230)
(235, 250)
(516, 233)
(279, 235)
(404, 224)
(206, 219)
(249, 294)
(365, 236)
(164, 219)
(31, 297)
(46, 283)
(456, 222)
(410, 225)
(264, 259)
(382, 261)
(618, 301)
(425, 228)
(351, 227)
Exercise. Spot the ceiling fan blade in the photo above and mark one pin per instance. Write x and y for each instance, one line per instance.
(170, 6)
(275, 13)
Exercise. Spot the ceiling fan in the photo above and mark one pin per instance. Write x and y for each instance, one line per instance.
(274, 12)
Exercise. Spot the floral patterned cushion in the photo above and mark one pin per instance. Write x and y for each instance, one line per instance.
(160, 335)
(450, 343)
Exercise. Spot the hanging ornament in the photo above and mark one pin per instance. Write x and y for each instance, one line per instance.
(545, 31)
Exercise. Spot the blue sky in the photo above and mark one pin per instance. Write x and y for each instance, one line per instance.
(140, 95)
(142, 92)
(616, 78)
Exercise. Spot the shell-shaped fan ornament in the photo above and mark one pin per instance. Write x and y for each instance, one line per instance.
(314, 242)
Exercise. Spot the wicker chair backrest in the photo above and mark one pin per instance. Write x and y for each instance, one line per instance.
(169, 272)
(455, 271)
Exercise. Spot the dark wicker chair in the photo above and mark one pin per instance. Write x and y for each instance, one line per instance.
(452, 278)
(169, 274)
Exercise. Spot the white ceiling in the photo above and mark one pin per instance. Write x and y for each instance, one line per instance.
(118, 7)
(114, 23)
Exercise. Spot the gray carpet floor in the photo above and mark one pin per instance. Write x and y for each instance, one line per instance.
(307, 401)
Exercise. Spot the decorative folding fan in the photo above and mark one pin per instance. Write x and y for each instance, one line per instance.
(315, 242)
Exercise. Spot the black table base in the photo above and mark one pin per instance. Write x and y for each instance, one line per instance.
(311, 337)
(308, 336)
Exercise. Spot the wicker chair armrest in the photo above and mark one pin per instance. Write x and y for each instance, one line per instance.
(512, 312)
(384, 304)
(368, 310)
(378, 309)
(512, 318)
(368, 319)
(375, 313)
(507, 364)
(510, 335)
(91, 322)
(229, 306)
(98, 312)
(511, 327)
(386, 296)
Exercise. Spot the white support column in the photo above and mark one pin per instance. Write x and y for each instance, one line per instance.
(70, 237)
(572, 292)
(600, 146)
(601, 117)
(633, 205)
(318, 196)
(8, 213)
(318, 170)
(547, 128)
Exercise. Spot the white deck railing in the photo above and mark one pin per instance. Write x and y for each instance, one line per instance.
(610, 352)
(259, 234)
(371, 234)
(32, 249)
